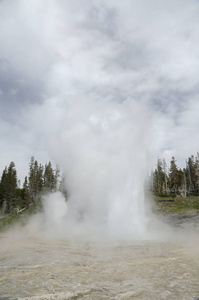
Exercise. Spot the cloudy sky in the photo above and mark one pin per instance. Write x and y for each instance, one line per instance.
(52, 51)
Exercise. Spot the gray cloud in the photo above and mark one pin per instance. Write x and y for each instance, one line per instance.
(99, 50)
(16, 93)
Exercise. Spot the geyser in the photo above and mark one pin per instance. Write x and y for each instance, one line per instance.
(102, 149)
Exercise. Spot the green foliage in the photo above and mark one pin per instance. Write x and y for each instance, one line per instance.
(177, 205)
(160, 179)
(39, 181)
(50, 180)
(8, 188)
(166, 181)
(7, 220)
(173, 181)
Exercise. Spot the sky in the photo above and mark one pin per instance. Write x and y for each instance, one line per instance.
(55, 51)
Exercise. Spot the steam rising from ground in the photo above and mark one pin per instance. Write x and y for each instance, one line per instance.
(103, 150)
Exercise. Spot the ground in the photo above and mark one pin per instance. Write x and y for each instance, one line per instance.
(164, 267)
(61, 269)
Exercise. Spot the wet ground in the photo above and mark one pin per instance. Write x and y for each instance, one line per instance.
(60, 269)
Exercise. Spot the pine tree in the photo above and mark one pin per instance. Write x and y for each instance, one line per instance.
(159, 179)
(8, 191)
(50, 180)
(33, 181)
(3, 186)
(173, 177)
(166, 190)
(183, 187)
(39, 178)
(191, 175)
(197, 173)
(62, 187)
(26, 193)
(57, 176)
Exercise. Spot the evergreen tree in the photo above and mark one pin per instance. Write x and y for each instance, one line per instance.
(8, 190)
(3, 185)
(39, 178)
(34, 179)
(191, 175)
(183, 186)
(62, 187)
(159, 179)
(26, 193)
(166, 190)
(197, 173)
(57, 176)
(50, 180)
(173, 176)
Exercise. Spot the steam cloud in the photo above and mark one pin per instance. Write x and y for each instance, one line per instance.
(102, 148)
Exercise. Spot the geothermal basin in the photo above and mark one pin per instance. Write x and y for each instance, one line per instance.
(39, 268)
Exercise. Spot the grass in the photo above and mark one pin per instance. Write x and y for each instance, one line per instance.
(7, 220)
(177, 205)
(164, 205)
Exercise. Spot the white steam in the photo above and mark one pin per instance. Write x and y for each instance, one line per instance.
(55, 211)
(103, 149)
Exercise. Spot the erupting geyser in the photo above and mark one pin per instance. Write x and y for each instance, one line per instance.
(102, 150)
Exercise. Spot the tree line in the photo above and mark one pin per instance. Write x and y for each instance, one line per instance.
(164, 181)
(41, 179)
(173, 181)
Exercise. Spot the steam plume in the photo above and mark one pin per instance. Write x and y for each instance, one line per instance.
(102, 148)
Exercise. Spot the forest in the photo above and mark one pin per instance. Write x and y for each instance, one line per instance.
(173, 181)
(40, 180)
(164, 181)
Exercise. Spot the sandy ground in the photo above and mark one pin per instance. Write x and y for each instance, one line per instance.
(60, 269)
